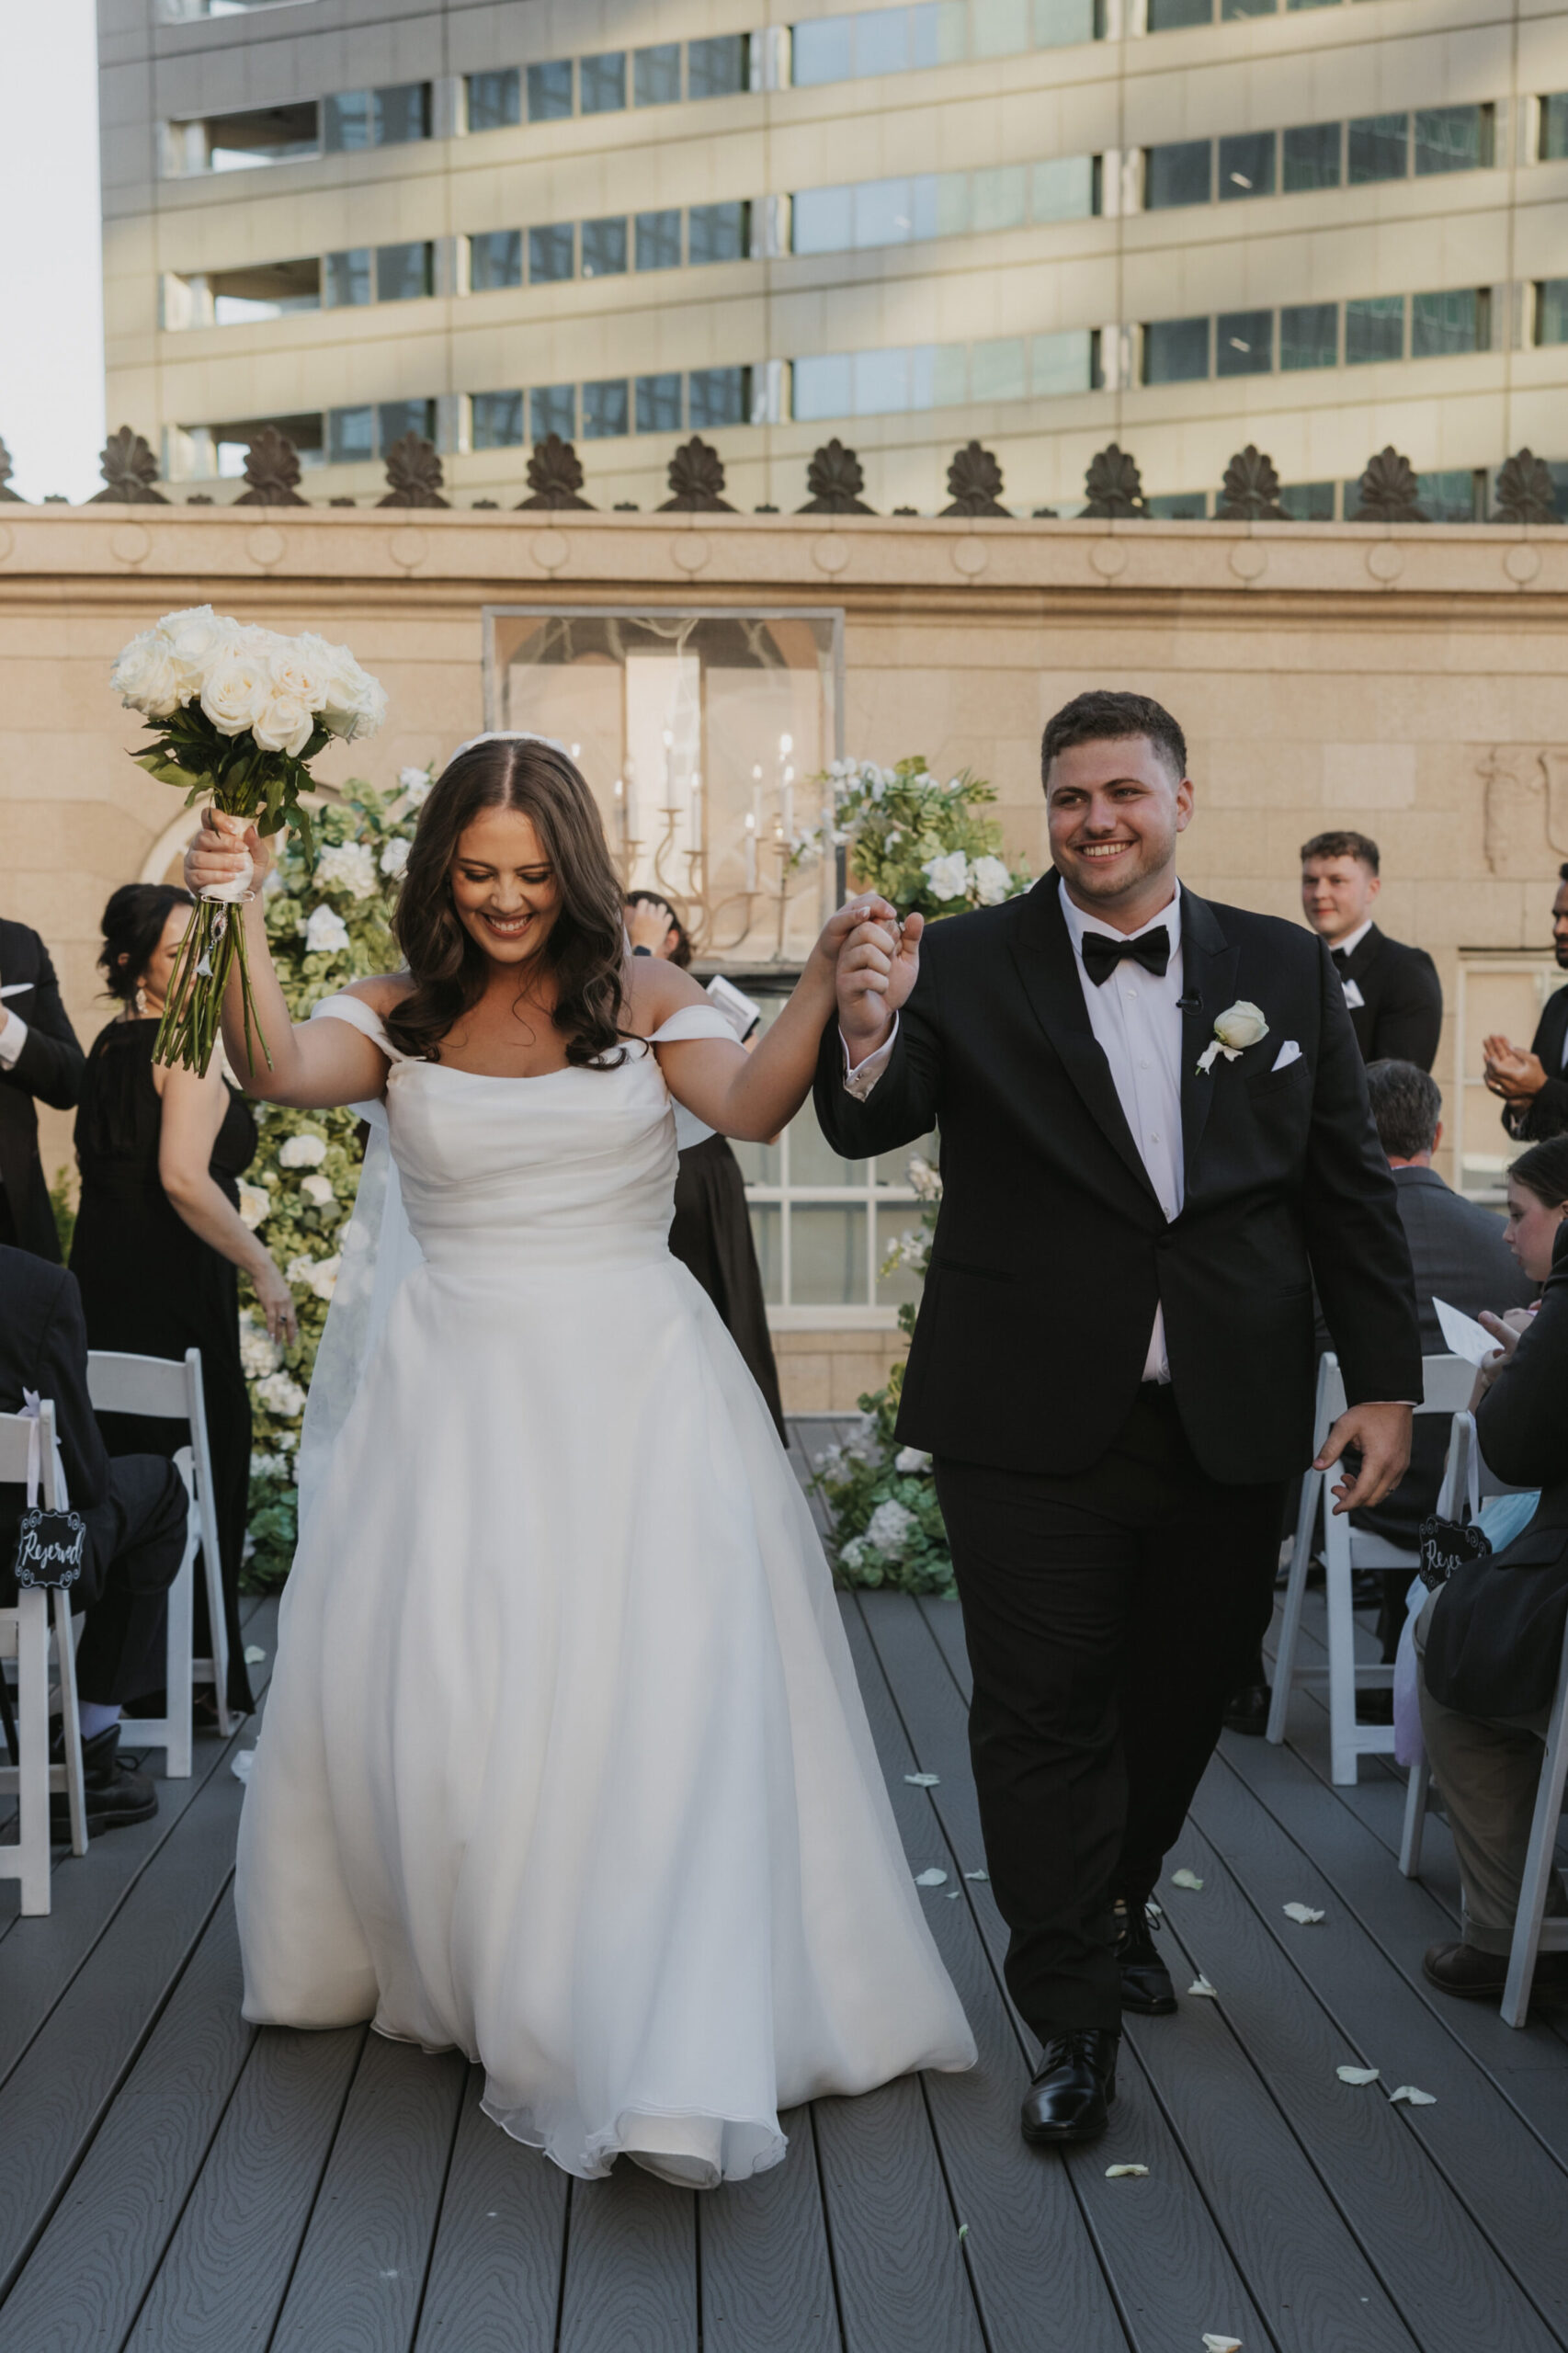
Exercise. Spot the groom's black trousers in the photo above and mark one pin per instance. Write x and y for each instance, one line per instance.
(1110, 1614)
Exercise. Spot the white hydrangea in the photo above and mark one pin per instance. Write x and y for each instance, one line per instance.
(910, 1459)
(254, 1204)
(924, 1180)
(282, 1395)
(395, 857)
(269, 1466)
(348, 866)
(318, 1189)
(990, 881)
(948, 875)
(327, 934)
(852, 1556)
(306, 1150)
(888, 1529)
(259, 1353)
(415, 783)
(317, 1275)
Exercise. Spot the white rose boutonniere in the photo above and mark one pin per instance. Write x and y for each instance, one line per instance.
(1240, 1026)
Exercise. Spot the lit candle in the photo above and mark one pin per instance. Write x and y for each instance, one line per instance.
(669, 773)
(786, 781)
(632, 833)
(619, 796)
(751, 850)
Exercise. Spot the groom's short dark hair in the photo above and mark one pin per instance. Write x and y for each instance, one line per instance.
(1103, 716)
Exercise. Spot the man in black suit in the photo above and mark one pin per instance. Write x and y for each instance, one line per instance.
(135, 1507)
(1154, 1133)
(1395, 996)
(40, 1060)
(1534, 1087)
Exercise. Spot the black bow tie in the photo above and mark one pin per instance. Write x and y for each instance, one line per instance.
(1340, 955)
(1102, 954)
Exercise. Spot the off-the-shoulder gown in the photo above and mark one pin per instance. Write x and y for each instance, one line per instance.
(564, 1762)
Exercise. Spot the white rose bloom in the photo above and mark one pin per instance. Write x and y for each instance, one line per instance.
(146, 675)
(990, 881)
(306, 1150)
(324, 1276)
(948, 875)
(299, 1270)
(259, 1352)
(301, 669)
(348, 866)
(318, 1189)
(195, 637)
(284, 725)
(327, 934)
(235, 689)
(356, 703)
(1240, 1026)
(888, 1528)
(282, 1395)
(912, 1458)
(254, 1204)
(394, 858)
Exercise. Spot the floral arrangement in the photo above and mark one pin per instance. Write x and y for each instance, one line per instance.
(329, 903)
(237, 714)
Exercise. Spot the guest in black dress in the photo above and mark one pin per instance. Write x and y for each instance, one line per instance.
(711, 1229)
(159, 1234)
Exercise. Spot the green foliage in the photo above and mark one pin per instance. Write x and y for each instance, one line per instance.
(64, 1209)
(919, 842)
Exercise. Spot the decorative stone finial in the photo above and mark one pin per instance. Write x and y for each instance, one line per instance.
(975, 483)
(1388, 490)
(415, 472)
(835, 479)
(1526, 492)
(1114, 484)
(556, 476)
(6, 491)
(130, 469)
(272, 471)
(1251, 492)
(697, 481)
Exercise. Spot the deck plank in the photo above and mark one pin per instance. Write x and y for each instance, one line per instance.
(494, 2281)
(632, 2275)
(766, 2282)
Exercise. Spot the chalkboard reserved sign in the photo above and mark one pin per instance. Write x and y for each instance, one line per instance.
(1446, 1546)
(51, 1548)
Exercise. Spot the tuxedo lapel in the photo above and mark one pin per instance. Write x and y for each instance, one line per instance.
(1360, 964)
(1209, 988)
(1042, 953)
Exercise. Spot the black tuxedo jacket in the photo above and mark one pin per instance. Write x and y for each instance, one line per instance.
(1545, 1114)
(1051, 1251)
(49, 1070)
(43, 1346)
(1400, 1015)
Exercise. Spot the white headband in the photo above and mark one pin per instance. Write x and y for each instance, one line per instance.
(510, 735)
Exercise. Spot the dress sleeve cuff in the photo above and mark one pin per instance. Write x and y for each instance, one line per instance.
(860, 1077)
(13, 1038)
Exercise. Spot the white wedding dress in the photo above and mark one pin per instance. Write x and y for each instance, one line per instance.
(564, 1761)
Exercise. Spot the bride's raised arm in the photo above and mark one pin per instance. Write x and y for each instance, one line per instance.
(314, 1065)
(751, 1096)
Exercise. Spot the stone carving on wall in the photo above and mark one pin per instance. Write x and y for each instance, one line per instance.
(1251, 491)
(975, 483)
(1526, 493)
(1114, 484)
(555, 477)
(415, 472)
(6, 491)
(272, 471)
(835, 479)
(697, 481)
(1526, 808)
(130, 469)
(1389, 490)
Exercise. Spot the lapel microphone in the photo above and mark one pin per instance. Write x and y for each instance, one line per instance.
(1189, 1002)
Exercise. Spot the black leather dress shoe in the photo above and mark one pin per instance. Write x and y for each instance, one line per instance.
(116, 1794)
(1477, 1976)
(1247, 1709)
(1074, 2086)
(1145, 1981)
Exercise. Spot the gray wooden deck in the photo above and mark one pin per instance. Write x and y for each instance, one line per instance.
(172, 2179)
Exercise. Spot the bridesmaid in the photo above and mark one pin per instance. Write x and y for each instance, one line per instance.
(159, 1235)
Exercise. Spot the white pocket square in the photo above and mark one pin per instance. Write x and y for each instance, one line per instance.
(1289, 1053)
(1353, 996)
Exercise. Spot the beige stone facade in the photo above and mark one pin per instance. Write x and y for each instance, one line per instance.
(1412, 682)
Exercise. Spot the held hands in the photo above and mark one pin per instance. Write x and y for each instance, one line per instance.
(878, 962)
(1514, 1075)
(221, 852)
(1381, 1435)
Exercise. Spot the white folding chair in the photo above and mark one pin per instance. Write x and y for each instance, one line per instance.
(1447, 1382)
(1533, 1932)
(31, 1780)
(167, 1389)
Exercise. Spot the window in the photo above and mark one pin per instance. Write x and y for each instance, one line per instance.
(1065, 188)
(658, 403)
(1311, 156)
(233, 143)
(604, 248)
(1180, 506)
(405, 272)
(1457, 320)
(895, 40)
(655, 76)
(1379, 148)
(1243, 342)
(1060, 364)
(494, 100)
(719, 397)
(717, 68)
(1554, 128)
(1170, 15)
(1453, 139)
(1232, 8)
(1374, 329)
(348, 278)
(1307, 502)
(1246, 165)
(549, 91)
(1552, 310)
(1175, 351)
(389, 118)
(552, 409)
(1458, 496)
(606, 413)
(999, 199)
(998, 369)
(394, 418)
(552, 253)
(223, 448)
(1308, 336)
(1060, 23)
(658, 240)
(495, 260)
(265, 290)
(1001, 28)
(496, 420)
(719, 232)
(1181, 173)
(351, 436)
(601, 83)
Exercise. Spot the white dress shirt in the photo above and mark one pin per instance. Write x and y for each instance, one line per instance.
(1352, 939)
(13, 1038)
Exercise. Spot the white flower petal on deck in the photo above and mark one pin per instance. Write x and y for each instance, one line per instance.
(924, 1780)
(1416, 2098)
(1356, 2074)
(984, 1875)
(1155, 1911)
(932, 1877)
(1220, 2344)
(241, 1763)
(1202, 1985)
(1303, 1913)
(1126, 2172)
(253, 1655)
(1184, 1878)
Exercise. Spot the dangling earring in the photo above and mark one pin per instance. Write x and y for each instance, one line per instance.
(141, 1000)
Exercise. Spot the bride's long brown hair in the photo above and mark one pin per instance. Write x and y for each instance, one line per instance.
(587, 946)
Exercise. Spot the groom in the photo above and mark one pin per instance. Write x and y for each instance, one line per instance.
(1113, 1365)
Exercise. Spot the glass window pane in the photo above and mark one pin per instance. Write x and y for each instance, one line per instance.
(496, 420)
(718, 232)
(494, 100)
(1246, 165)
(405, 273)
(552, 253)
(813, 1160)
(1058, 23)
(996, 369)
(1307, 502)
(1445, 323)
(717, 68)
(881, 212)
(827, 1253)
(348, 278)
(402, 113)
(1552, 310)
(1243, 342)
(1179, 507)
(1309, 334)
(655, 76)
(1311, 156)
(549, 91)
(345, 122)
(1059, 363)
(1177, 175)
(552, 409)
(767, 1240)
(1233, 8)
(604, 248)
(1380, 146)
(822, 51)
(719, 397)
(351, 436)
(823, 220)
(1002, 28)
(1062, 189)
(658, 403)
(1312, 3)
(1000, 197)
(607, 410)
(658, 240)
(1453, 139)
(1449, 497)
(939, 32)
(495, 260)
(1170, 15)
(601, 83)
(1374, 329)
(882, 382)
(938, 375)
(1175, 351)
(824, 387)
(1554, 128)
(879, 42)
(394, 418)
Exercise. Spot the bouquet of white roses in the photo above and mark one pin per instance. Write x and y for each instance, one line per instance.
(237, 713)
(917, 841)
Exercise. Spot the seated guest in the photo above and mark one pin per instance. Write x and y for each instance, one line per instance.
(1533, 1085)
(1489, 1641)
(135, 1510)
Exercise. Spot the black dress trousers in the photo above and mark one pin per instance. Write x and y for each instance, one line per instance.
(1110, 1613)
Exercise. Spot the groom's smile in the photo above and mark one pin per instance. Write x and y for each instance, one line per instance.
(1113, 810)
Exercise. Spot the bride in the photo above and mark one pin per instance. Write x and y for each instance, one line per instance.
(564, 1762)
